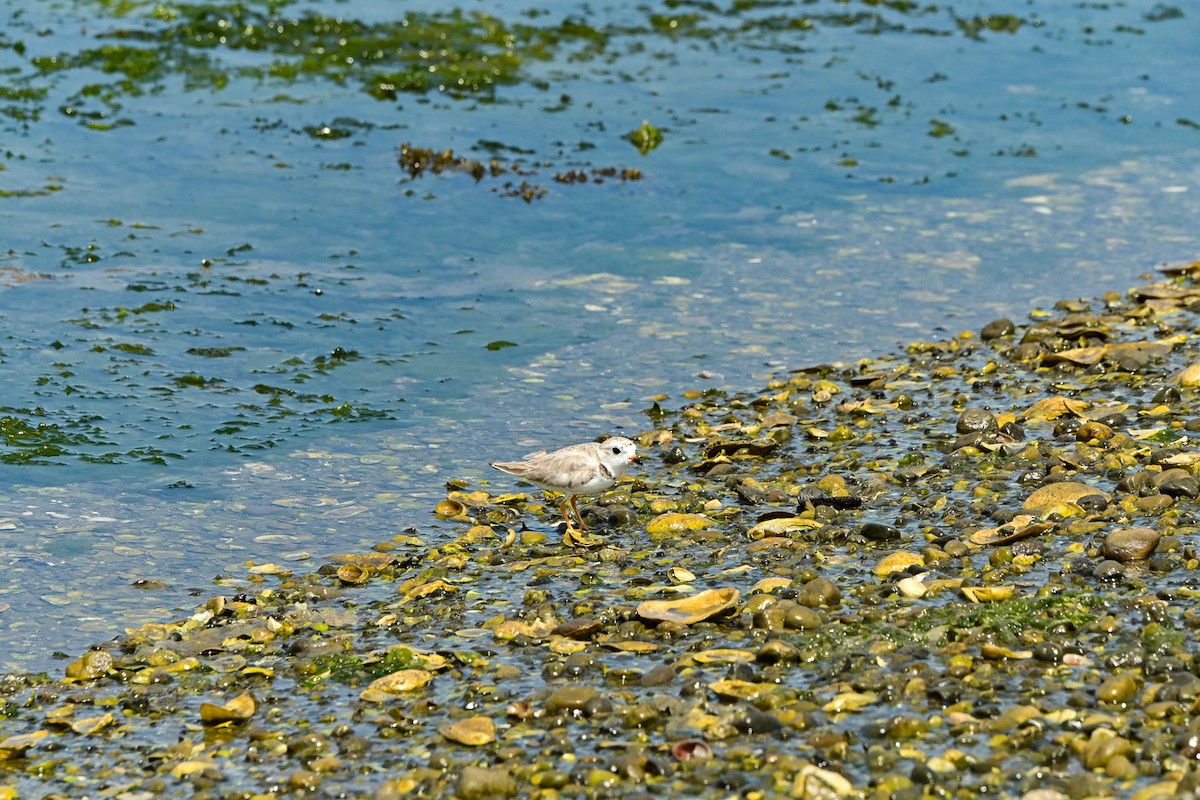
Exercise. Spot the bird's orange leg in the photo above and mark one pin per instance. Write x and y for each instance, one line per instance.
(583, 526)
(562, 509)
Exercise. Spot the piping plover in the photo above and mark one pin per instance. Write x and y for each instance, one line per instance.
(579, 469)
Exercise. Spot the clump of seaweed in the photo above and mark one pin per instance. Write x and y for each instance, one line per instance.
(420, 161)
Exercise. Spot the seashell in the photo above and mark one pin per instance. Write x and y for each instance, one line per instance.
(631, 646)
(781, 526)
(988, 594)
(89, 725)
(1054, 407)
(575, 538)
(812, 782)
(1020, 527)
(269, 569)
(239, 709)
(354, 574)
(733, 689)
(375, 561)
(691, 609)
(849, 701)
(897, 562)
(15, 746)
(381, 690)
(438, 586)
(691, 749)
(679, 575)
(451, 509)
(768, 585)
(1062, 492)
(722, 655)
(473, 731)
(675, 522)
(997, 652)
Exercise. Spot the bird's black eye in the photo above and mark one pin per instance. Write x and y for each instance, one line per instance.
(616, 450)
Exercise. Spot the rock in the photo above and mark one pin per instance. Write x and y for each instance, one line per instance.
(1056, 494)
(997, 328)
(573, 701)
(581, 628)
(976, 420)
(472, 731)
(1177, 482)
(91, 665)
(1119, 688)
(879, 532)
(1130, 544)
(787, 615)
(819, 592)
(1093, 431)
(1109, 570)
(674, 522)
(658, 676)
(1189, 376)
(1102, 747)
(479, 783)
(778, 652)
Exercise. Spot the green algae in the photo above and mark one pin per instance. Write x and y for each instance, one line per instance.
(459, 54)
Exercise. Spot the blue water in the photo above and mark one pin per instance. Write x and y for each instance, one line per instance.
(269, 343)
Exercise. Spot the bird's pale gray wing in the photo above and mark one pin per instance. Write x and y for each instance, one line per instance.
(570, 467)
(511, 467)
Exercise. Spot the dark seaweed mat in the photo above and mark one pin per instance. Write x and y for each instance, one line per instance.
(1085, 680)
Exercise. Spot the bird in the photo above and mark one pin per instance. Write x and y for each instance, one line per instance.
(576, 470)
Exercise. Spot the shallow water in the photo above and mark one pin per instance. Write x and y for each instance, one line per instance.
(233, 329)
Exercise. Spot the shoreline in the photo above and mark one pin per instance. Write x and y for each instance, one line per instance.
(836, 586)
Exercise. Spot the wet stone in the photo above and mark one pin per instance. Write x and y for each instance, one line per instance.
(996, 329)
(1117, 689)
(1130, 544)
(749, 720)
(1154, 503)
(480, 783)
(1178, 482)
(1093, 431)
(578, 628)
(976, 420)
(577, 701)
(777, 652)
(621, 516)
(818, 593)
(93, 664)
(658, 676)
(879, 532)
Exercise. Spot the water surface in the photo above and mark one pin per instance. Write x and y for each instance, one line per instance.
(233, 329)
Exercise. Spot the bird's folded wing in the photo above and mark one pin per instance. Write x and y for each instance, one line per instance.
(566, 468)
